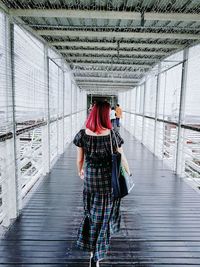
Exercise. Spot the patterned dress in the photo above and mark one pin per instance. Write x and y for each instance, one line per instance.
(101, 210)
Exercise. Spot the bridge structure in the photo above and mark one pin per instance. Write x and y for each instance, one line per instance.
(56, 58)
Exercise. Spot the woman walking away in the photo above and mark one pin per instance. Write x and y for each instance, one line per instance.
(101, 210)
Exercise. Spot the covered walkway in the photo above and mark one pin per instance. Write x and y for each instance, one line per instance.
(160, 219)
(57, 57)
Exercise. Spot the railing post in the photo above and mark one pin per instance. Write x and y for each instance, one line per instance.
(60, 127)
(157, 109)
(71, 115)
(135, 119)
(180, 135)
(129, 109)
(14, 186)
(46, 128)
(144, 102)
(57, 115)
(63, 111)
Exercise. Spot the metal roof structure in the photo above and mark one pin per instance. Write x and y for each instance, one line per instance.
(111, 44)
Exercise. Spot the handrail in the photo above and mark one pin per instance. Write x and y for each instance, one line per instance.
(184, 126)
(6, 136)
(9, 135)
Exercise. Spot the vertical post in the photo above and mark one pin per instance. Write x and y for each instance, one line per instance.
(48, 111)
(157, 109)
(129, 111)
(163, 129)
(15, 189)
(135, 119)
(63, 117)
(45, 128)
(57, 117)
(71, 113)
(180, 144)
(144, 103)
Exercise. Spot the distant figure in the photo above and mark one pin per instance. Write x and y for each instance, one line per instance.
(113, 117)
(118, 111)
(90, 108)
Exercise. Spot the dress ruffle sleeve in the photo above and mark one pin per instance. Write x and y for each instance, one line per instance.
(78, 139)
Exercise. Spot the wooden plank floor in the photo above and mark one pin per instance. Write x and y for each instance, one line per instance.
(160, 219)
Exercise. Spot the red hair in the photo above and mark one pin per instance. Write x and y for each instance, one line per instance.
(99, 117)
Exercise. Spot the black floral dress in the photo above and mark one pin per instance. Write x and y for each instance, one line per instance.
(101, 210)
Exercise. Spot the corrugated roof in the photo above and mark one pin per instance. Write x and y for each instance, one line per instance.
(119, 34)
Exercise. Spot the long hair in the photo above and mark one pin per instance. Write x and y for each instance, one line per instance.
(99, 117)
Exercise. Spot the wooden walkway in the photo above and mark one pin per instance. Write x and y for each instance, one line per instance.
(160, 225)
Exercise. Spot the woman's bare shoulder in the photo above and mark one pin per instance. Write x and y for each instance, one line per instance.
(104, 132)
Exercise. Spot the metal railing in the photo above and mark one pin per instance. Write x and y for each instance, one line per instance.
(165, 146)
(32, 156)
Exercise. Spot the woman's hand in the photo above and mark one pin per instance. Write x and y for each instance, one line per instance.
(81, 174)
(127, 170)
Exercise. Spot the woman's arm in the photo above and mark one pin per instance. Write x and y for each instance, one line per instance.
(80, 161)
(124, 160)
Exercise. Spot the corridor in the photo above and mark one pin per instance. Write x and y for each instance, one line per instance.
(160, 219)
(58, 58)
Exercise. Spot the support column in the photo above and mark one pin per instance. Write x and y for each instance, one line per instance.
(180, 135)
(128, 120)
(14, 185)
(63, 112)
(135, 119)
(48, 149)
(157, 110)
(144, 102)
(57, 116)
(71, 114)
(163, 117)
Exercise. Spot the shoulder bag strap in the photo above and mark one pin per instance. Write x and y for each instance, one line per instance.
(111, 145)
(111, 131)
(115, 139)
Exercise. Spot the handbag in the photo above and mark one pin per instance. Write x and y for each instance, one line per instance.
(122, 182)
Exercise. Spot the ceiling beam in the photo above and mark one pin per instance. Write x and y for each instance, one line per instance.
(115, 45)
(111, 90)
(107, 87)
(104, 90)
(106, 83)
(115, 34)
(103, 14)
(80, 14)
(114, 65)
(172, 16)
(111, 52)
(94, 79)
(108, 76)
(109, 60)
(107, 71)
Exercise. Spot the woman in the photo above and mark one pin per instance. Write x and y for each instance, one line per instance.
(101, 210)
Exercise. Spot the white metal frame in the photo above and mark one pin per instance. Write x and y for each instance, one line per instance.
(24, 146)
